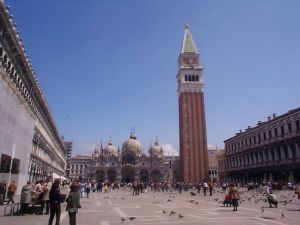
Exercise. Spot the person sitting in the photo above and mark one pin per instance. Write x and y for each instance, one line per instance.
(272, 199)
(227, 201)
(26, 197)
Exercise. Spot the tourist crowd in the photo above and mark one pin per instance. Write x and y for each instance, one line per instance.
(45, 196)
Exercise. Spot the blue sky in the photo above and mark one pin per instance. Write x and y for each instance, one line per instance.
(109, 66)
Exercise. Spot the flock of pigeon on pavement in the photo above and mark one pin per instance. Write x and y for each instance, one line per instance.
(252, 196)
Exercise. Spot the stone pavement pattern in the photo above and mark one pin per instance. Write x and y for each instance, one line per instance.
(155, 208)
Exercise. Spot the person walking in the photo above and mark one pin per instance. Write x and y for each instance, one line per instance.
(12, 188)
(73, 203)
(233, 192)
(87, 190)
(45, 198)
(297, 191)
(26, 192)
(55, 199)
(210, 188)
(205, 186)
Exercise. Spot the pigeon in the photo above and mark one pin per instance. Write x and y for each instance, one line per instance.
(169, 200)
(132, 218)
(164, 211)
(180, 216)
(193, 193)
(282, 215)
(122, 198)
(122, 219)
(172, 213)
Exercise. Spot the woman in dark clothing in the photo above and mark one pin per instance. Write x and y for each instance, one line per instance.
(55, 200)
(73, 203)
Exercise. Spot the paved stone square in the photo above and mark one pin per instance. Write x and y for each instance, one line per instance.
(155, 208)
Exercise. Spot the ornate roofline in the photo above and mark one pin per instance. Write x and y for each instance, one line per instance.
(263, 124)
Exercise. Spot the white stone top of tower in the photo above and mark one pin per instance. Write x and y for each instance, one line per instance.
(190, 73)
(188, 44)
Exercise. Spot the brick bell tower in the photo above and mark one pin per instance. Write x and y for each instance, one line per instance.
(192, 128)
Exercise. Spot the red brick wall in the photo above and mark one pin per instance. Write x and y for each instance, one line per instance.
(193, 149)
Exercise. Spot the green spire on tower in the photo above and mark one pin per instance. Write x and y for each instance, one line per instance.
(188, 45)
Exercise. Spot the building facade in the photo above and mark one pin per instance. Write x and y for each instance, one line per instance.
(192, 127)
(221, 166)
(270, 151)
(30, 145)
(112, 164)
(213, 166)
(79, 167)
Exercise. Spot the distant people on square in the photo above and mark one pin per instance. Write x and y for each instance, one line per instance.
(51, 194)
(87, 190)
(210, 187)
(105, 189)
(73, 203)
(12, 188)
(82, 191)
(99, 186)
(297, 190)
(55, 200)
(2, 192)
(205, 186)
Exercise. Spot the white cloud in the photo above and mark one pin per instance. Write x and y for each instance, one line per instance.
(210, 146)
(213, 147)
(169, 150)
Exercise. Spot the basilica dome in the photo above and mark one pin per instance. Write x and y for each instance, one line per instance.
(110, 149)
(156, 150)
(132, 144)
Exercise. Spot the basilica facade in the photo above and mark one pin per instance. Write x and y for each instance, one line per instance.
(128, 164)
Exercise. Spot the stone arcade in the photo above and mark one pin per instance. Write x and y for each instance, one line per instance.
(30, 145)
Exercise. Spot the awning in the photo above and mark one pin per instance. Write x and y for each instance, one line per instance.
(56, 176)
